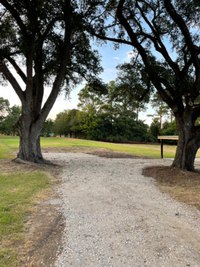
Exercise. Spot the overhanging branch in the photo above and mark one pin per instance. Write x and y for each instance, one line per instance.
(17, 68)
(102, 37)
(15, 14)
(12, 81)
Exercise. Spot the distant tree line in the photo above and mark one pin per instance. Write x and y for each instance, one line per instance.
(103, 114)
(111, 111)
(95, 125)
(99, 118)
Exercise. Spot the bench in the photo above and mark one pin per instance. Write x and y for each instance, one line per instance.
(166, 137)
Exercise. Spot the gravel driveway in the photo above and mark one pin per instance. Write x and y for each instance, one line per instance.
(115, 217)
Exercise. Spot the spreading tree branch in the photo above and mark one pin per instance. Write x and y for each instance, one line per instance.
(15, 14)
(12, 81)
(17, 68)
(182, 26)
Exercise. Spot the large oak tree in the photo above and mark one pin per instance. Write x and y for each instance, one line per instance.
(164, 34)
(44, 43)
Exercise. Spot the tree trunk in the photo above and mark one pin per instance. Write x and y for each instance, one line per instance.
(29, 147)
(188, 144)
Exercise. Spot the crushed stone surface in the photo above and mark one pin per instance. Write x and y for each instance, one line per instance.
(116, 217)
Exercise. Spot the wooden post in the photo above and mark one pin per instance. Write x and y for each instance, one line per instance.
(161, 146)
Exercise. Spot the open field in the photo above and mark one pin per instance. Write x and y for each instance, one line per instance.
(9, 145)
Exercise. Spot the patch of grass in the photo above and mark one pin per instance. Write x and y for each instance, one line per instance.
(8, 258)
(182, 185)
(8, 145)
(18, 193)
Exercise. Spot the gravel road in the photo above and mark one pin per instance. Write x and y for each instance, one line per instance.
(116, 217)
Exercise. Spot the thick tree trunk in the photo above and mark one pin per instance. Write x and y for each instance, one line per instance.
(185, 154)
(188, 144)
(29, 147)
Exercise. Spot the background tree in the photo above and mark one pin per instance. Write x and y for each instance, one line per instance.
(154, 29)
(121, 126)
(169, 128)
(70, 123)
(73, 123)
(59, 124)
(91, 96)
(46, 43)
(47, 128)
(7, 124)
(155, 128)
(132, 87)
(4, 108)
(160, 108)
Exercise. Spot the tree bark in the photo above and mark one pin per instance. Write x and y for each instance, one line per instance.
(188, 144)
(29, 147)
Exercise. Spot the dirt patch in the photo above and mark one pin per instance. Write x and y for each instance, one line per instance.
(182, 185)
(44, 234)
(106, 154)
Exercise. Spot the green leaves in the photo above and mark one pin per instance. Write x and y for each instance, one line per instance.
(8, 117)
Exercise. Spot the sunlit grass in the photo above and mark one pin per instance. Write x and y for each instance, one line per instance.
(136, 149)
(18, 191)
(8, 145)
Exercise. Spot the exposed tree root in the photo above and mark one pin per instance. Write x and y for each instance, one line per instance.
(18, 160)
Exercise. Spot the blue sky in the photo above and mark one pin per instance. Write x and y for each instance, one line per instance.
(110, 59)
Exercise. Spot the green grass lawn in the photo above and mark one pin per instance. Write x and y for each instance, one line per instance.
(8, 145)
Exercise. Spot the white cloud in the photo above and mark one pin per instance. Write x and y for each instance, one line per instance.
(116, 58)
(129, 55)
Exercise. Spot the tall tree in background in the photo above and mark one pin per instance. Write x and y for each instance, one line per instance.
(4, 108)
(154, 29)
(133, 87)
(91, 96)
(160, 107)
(60, 123)
(46, 44)
(8, 117)
(8, 125)
(48, 128)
